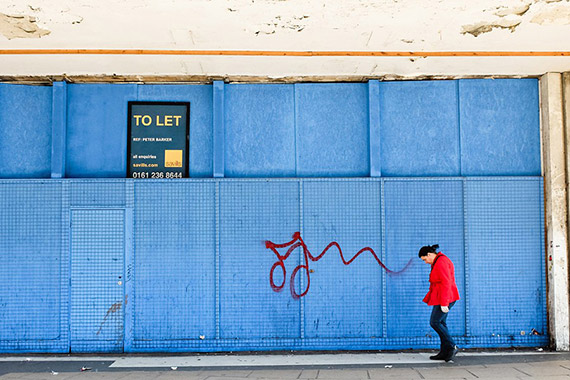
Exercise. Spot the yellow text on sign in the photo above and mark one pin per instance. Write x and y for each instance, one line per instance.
(172, 158)
(160, 120)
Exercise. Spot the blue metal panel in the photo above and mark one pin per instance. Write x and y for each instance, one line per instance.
(347, 213)
(25, 127)
(506, 257)
(419, 128)
(97, 129)
(33, 268)
(500, 133)
(332, 130)
(181, 291)
(97, 193)
(260, 131)
(219, 129)
(174, 287)
(418, 213)
(59, 129)
(200, 98)
(374, 126)
(97, 253)
(252, 212)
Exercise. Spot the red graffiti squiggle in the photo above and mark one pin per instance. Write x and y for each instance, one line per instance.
(298, 242)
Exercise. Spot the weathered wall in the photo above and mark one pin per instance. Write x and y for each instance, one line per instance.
(285, 25)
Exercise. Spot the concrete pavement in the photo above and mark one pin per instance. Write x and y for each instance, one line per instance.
(502, 365)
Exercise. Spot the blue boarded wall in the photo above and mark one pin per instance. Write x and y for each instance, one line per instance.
(389, 129)
(111, 264)
(178, 266)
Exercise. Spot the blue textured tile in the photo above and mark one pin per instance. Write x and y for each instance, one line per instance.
(250, 214)
(174, 262)
(97, 278)
(25, 127)
(418, 213)
(332, 130)
(500, 133)
(260, 130)
(348, 213)
(97, 129)
(505, 257)
(419, 128)
(33, 261)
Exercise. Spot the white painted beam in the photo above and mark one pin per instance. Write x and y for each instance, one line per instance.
(556, 207)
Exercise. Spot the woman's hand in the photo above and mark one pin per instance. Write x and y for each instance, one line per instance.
(445, 309)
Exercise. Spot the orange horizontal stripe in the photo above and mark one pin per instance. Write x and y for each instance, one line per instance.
(271, 53)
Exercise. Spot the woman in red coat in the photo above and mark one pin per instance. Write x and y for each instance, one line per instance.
(442, 295)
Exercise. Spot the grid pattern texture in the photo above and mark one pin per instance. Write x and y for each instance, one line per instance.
(200, 271)
(97, 251)
(418, 213)
(506, 257)
(97, 193)
(174, 263)
(33, 291)
(252, 212)
(348, 213)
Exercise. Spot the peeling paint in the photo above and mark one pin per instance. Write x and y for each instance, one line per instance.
(20, 26)
(556, 15)
(485, 27)
(518, 11)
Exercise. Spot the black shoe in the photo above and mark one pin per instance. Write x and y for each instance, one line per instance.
(451, 354)
(440, 356)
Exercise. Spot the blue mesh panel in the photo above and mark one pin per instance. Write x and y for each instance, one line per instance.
(33, 265)
(250, 214)
(200, 271)
(174, 263)
(97, 193)
(418, 213)
(505, 257)
(348, 213)
(97, 251)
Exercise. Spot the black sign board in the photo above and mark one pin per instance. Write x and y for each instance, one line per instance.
(158, 139)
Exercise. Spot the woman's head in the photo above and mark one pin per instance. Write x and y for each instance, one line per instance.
(428, 253)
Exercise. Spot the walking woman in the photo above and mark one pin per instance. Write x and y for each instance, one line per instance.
(442, 295)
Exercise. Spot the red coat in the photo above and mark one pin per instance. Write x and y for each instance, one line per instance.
(442, 287)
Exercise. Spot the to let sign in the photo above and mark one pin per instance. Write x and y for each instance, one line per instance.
(158, 139)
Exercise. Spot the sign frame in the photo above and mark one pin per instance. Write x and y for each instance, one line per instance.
(186, 155)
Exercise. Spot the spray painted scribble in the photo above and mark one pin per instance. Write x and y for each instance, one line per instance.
(298, 242)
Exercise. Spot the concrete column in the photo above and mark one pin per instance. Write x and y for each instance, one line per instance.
(556, 207)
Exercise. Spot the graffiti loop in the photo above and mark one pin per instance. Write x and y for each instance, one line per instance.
(298, 242)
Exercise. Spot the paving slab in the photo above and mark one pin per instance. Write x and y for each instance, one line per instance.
(445, 373)
(172, 375)
(496, 372)
(503, 365)
(343, 374)
(309, 374)
(393, 373)
(550, 369)
(276, 374)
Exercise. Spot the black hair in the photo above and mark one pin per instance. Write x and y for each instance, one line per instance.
(428, 249)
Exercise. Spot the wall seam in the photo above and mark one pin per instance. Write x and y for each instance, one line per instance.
(459, 153)
(295, 128)
(301, 256)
